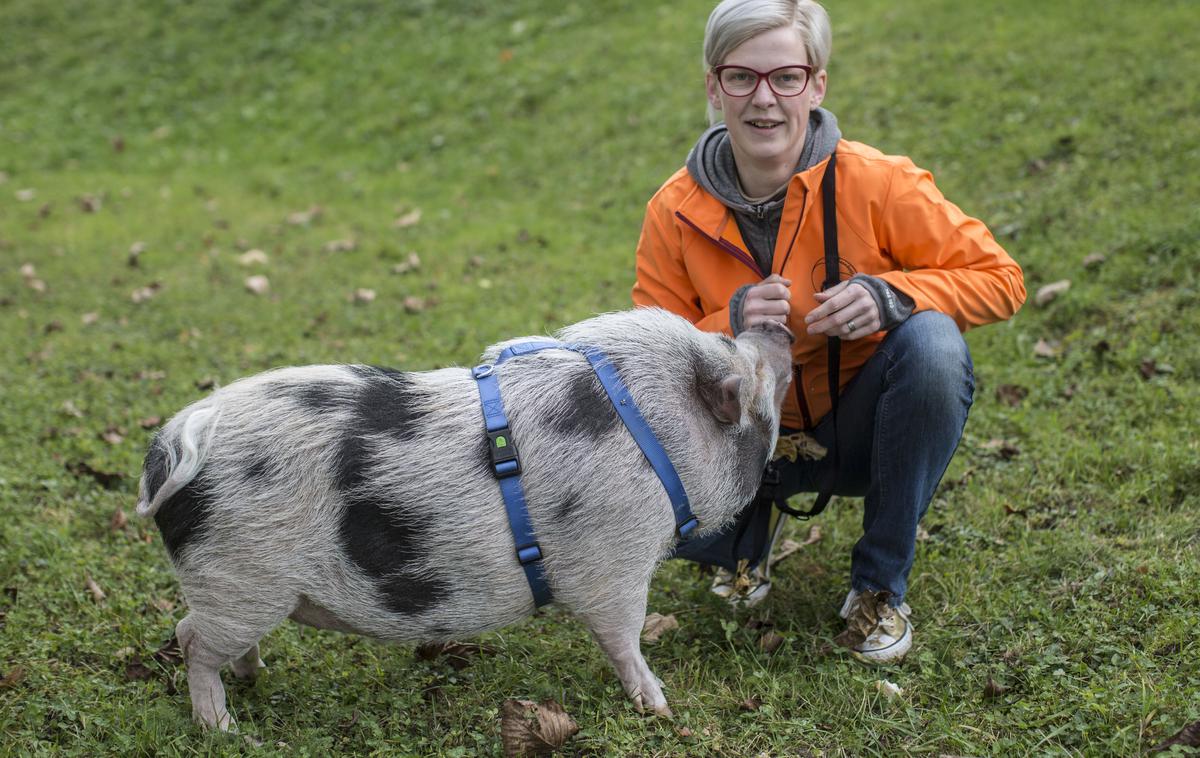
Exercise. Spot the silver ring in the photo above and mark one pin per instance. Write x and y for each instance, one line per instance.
(850, 327)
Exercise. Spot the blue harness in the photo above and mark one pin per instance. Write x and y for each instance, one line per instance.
(507, 466)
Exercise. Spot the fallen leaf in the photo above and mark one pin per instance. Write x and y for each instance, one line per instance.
(993, 689)
(341, 246)
(254, 257)
(362, 295)
(1049, 292)
(923, 534)
(142, 294)
(304, 218)
(68, 407)
(1189, 736)
(25, 195)
(457, 654)
(1001, 447)
(475, 261)
(97, 593)
(37, 285)
(136, 671)
(113, 435)
(750, 704)
(135, 251)
(12, 678)
(162, 604)
(411, 263)
(118, 521)
(411, 218)
(532, 729)
(259, 285)
(1011, 394)
(1010, 511)
(89, 203)
(788, 547)
(414, 304)
(150, 422)
(1151, 368)
(770, 641)
(683, 731)
(206, 383)
(888, 689)
(798, 446)
(118, 144)
(107, 480)
(1047, 348)
(1094, 259)
(88, 319)
(169, 653)
(656, 625)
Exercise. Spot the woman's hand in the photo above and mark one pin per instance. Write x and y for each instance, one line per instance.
(769, 300)
(847, 311)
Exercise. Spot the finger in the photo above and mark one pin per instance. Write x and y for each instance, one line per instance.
(824, 295)
(776, 278)
(771, 291)
(834, 324)
(766, 307)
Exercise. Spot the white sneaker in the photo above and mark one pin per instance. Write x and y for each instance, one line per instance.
(876, 633)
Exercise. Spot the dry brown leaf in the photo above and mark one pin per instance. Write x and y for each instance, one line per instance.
(993, 689)
(12, 678)
(136, 671)
(683, 732)
(150, 422)
(253, 257)
(1151, 368)
(97, 593)
(1049, 292)
(1005, 449)
(113, 435)
(118, 521)
(206, 383)
(25, 195)
(770, 641)
(135, 251)
(258, 284)
(341, 246)
(363, 295)
(162, 604)
(414, 304)
(532, 729)
(69, 408)
(108, 480)
(169, 653)
(411, 218)
(1047, 348)
(411, 263)
(1189, 736)
(304, 218)
(923, 534)
(89, 203)
(888, 689)
(799, 445)
(88, 319)
(1094, 259)
(28, 271)
(750, 704)
(142, 294)
(657, 625)
(1011, 394)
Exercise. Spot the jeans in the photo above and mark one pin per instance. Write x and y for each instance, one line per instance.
(899, 422)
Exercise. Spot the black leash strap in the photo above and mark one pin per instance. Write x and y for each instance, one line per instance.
(834, 348)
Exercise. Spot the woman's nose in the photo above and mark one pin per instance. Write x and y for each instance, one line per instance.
(763, 95)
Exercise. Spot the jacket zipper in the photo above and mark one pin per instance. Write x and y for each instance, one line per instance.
(728, 247)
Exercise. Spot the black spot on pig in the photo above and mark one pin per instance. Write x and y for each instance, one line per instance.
(589, 412)
(260, 469)
(183, 518)
(382, 540)
(319, 397)
(387, 402)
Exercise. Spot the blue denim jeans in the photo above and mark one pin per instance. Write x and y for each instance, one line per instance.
(899, 422)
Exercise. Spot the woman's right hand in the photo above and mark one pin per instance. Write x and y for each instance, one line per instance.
(769, 300)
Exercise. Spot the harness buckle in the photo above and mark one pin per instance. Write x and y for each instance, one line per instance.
(504, 453)
(686, 527)
(529, 554)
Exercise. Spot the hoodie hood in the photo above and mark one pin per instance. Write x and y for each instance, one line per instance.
(712, 165)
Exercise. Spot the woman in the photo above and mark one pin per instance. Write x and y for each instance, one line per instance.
(742, 233)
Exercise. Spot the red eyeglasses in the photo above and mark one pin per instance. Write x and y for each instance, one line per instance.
(785, 81)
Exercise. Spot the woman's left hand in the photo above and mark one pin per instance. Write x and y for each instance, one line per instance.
(847, 310)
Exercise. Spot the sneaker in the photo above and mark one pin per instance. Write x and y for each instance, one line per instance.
(876, 633)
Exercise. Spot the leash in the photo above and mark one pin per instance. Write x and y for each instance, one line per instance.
(506, 463)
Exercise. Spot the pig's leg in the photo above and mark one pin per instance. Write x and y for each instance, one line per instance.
(247, 666)
(618, 628)
(204, 676)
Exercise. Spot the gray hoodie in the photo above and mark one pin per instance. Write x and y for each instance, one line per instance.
(711, 164)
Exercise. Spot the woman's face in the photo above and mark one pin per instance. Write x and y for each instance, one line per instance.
(767, 130)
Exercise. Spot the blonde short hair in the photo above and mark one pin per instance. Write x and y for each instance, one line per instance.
(733, 22)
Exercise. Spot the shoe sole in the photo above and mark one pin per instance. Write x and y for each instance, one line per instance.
(880, 658)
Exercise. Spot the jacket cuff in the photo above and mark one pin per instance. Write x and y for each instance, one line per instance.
(735, 309)
(894, 306)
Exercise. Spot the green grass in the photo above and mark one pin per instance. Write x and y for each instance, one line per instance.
(530, 136)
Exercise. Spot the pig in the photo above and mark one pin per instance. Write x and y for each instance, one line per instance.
(362, 499)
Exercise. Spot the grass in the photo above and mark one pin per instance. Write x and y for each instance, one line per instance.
(1062, 557)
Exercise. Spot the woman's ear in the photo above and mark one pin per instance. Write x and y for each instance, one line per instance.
(818, 84)
(710, 87)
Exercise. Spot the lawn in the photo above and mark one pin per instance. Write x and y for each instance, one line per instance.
(424, 178)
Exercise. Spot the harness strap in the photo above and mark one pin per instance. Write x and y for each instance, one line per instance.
(506, 464)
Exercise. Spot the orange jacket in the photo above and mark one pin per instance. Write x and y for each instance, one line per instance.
(893, 223)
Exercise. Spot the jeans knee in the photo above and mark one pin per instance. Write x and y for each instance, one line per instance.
(930, 346)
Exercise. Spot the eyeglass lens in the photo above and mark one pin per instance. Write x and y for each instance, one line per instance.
(785, 82)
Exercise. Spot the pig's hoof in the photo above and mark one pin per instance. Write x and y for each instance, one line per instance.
(247, 670)
(663, 710)
(210, 721)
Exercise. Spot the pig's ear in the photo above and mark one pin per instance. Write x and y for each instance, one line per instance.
(722, 398)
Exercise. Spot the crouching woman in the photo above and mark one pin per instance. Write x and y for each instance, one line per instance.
(749, 230)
